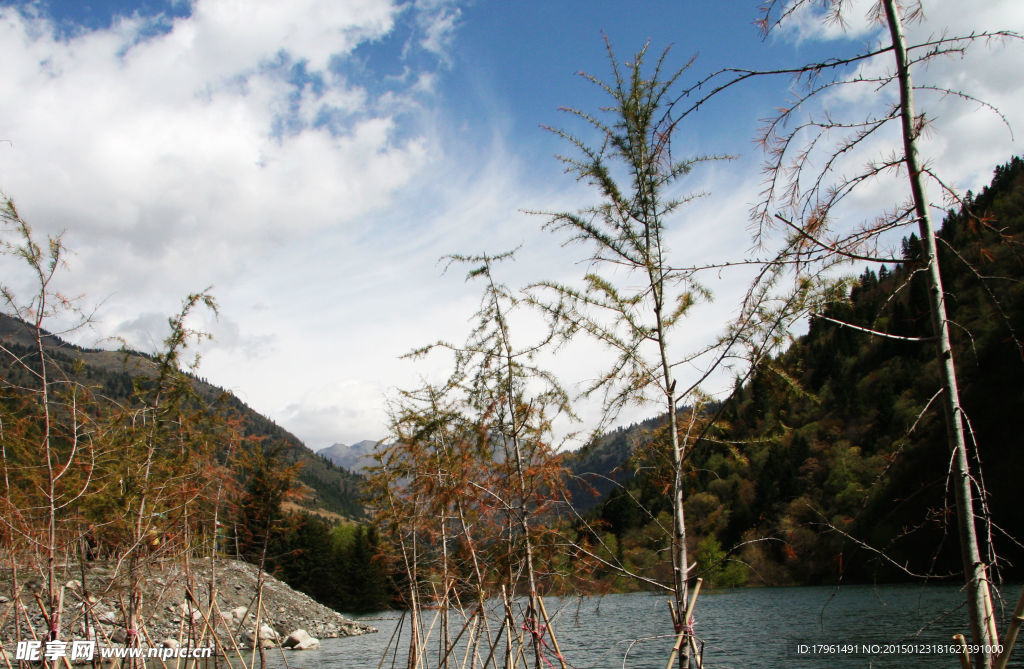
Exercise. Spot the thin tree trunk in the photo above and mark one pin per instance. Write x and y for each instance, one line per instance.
(680, 561)
(51, 491)
(445, 637)
(979, 601)
(481, 595)
(532, 614)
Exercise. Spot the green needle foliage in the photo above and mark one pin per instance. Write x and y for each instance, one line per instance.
(638, 313)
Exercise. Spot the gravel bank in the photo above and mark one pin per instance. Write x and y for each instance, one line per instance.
(169, 616)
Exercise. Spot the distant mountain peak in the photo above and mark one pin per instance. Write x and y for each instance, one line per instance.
(354, 458)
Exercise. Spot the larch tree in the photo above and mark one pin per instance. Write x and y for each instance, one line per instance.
(48, 436)
(473, 463)
(821, 153)
(633, 300)
(84, 475)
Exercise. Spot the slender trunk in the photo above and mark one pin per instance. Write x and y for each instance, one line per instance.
(51, 489)
(414, 608)
(532, 613)
(135, 562)
(680, 559)
(979, 601)
(508, 627)
(445, 610)
(409, 560)
(13, 556)
(481, 594)
(213, 561)
(260, 580)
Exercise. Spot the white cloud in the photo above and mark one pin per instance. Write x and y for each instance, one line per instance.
(227, 149)
(438, 21)
(226, 37)
(804, 20)
(168, 142)
(188, 156)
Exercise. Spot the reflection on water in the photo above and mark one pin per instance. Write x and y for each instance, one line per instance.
(740, 629)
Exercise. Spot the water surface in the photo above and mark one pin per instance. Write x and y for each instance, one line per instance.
(741, 629)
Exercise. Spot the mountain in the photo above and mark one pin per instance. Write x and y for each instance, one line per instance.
(354, 458)
(323, 485)
(598, 468)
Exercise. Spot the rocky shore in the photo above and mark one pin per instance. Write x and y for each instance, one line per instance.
(171, 618)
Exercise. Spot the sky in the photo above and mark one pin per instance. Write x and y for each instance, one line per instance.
(311, 161)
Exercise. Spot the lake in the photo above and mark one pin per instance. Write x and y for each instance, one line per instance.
(762, 627)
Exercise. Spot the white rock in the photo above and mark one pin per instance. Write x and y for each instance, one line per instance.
(238, 612)
(300, 640)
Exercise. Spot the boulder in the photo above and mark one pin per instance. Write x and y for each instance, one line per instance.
(300, 640)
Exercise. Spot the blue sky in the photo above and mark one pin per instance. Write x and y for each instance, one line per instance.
(312, 160)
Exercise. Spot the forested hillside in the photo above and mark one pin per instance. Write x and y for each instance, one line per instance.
(831, 463)
(129, 459)
(325, 486)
